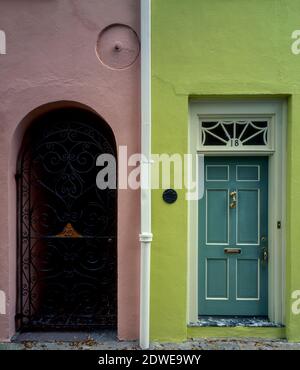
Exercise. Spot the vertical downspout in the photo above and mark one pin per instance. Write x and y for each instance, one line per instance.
(146, 235)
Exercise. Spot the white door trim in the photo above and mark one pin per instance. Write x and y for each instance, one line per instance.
(276, 109)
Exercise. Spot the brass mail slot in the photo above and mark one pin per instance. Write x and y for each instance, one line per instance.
(232, 251)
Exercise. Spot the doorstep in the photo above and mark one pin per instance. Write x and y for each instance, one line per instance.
(66, 336)
(235, 327)
(222, 321)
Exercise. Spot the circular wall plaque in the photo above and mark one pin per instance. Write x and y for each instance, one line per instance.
(118, 46)
(170, 196)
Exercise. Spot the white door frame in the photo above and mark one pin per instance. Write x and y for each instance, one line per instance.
(276, 111)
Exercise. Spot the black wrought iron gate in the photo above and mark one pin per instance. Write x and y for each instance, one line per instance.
(67, 227)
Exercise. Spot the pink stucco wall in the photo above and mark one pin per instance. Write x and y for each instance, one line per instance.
(51, 58)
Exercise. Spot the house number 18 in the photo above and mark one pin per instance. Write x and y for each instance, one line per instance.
(234, 143)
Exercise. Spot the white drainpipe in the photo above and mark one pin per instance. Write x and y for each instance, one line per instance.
(146, 235)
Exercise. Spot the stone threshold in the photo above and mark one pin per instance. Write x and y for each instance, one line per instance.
(66, 336)
(233, 322)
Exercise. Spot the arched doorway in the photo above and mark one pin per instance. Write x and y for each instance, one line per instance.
(67, 227)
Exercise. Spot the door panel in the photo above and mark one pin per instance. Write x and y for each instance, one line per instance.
(217, 282)
(217, 173)
(233, 232)
(248, 278)
(217, 205)
(247, 173)
(247, 217)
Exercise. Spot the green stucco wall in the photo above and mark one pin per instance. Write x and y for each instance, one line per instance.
(216, 48)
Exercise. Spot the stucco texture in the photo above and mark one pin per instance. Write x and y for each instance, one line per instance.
(51, 62)
(218, 48)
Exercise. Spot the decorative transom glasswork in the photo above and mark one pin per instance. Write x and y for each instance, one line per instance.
(235, 134)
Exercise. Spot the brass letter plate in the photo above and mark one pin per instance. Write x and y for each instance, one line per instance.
(232, 251)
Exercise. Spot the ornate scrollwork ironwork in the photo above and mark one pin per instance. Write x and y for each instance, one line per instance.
(67, 257)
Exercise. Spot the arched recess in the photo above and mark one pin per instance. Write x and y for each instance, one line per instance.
(66, 226)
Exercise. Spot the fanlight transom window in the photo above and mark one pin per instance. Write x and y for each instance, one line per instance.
(234, 133)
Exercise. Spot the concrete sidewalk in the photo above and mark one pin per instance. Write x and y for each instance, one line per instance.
(109, 342)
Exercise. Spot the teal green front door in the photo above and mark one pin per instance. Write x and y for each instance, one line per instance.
(233, 237)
